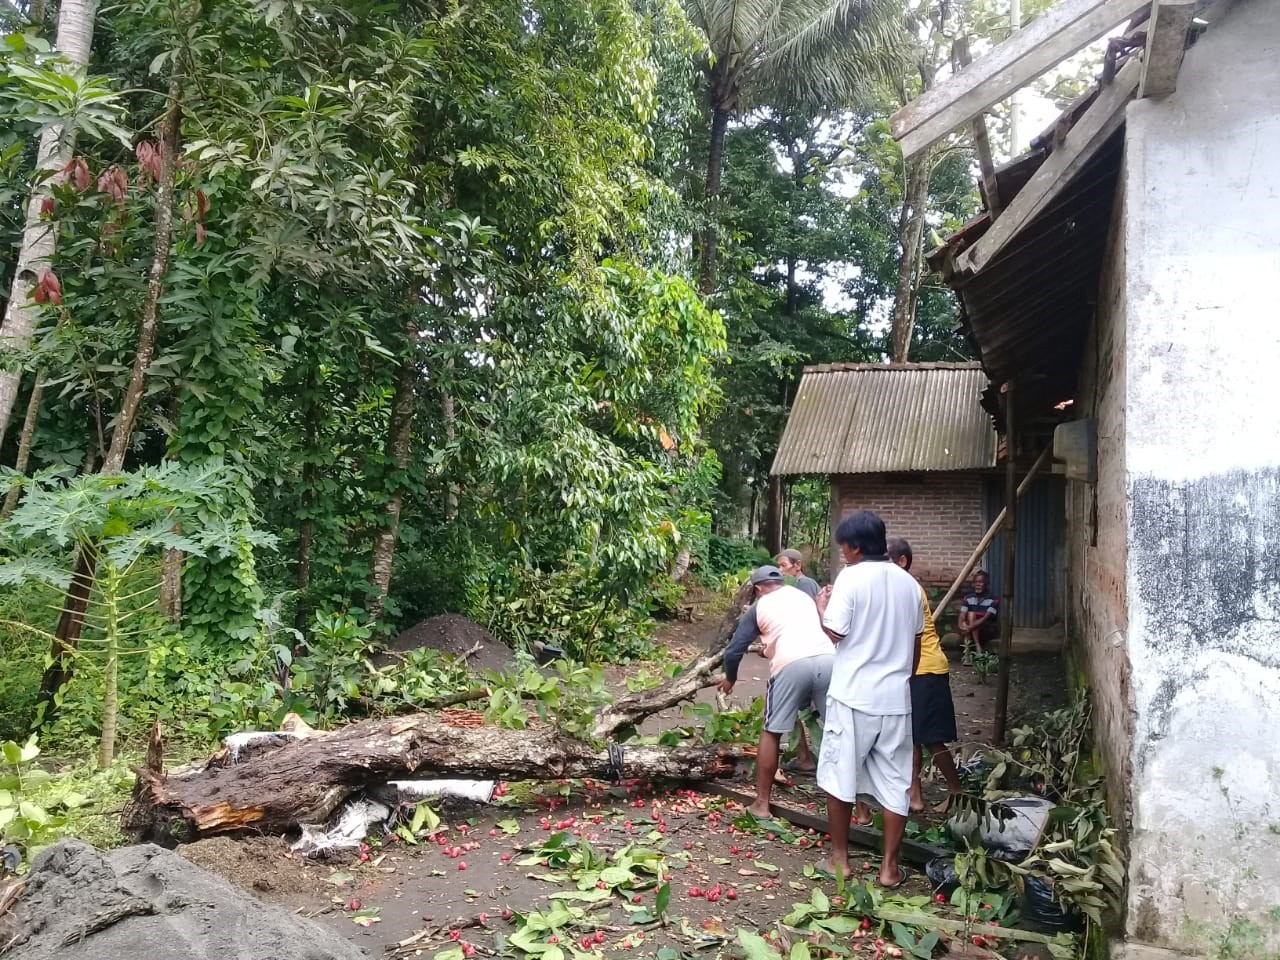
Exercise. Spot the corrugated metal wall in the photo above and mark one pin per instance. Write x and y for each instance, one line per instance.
(1040, 550)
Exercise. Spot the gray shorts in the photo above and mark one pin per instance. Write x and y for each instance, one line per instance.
(796, 687)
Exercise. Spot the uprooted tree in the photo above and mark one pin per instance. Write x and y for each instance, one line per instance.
(302, 776)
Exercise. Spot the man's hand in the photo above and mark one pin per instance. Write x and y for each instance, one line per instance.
(823, 599)
(725, 686)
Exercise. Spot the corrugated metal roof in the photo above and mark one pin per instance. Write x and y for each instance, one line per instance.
(880, 417)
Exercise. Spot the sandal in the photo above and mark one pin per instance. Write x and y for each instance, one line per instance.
(903, 875)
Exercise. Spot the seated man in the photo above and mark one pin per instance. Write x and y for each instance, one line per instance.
(933, 714)
(791, 563)
(800, 656)
(978, 613)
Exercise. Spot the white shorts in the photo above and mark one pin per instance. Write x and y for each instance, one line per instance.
(864, 753)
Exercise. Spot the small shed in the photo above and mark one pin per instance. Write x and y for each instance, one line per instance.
(912, 442)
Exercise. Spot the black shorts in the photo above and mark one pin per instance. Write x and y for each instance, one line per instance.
(933, 715)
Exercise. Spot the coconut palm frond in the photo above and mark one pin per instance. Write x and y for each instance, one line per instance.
(835, 53)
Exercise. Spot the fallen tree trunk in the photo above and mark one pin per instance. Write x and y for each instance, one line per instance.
(276, 788)
(703, 672)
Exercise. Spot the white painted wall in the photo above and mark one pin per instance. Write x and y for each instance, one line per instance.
(1202, 462)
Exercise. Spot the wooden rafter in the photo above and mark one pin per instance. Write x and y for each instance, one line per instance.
(1048, 40)
(1166, 44)
(1091, 131)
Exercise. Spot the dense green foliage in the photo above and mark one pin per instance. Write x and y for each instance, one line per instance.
(424, 335)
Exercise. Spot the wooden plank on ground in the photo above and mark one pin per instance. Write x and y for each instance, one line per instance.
(1044, 43)
(1091, 131)
(1166, 45)
(912, 851)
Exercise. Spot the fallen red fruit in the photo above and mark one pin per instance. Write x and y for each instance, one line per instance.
(941, 898)
(636, 898)
(462, 864)
(599, 937)
(353, 904)
(979, 941)
(731, 894)
(468, 950)
(455, 934)
(507, 913)
(553, 939)
(866, 923)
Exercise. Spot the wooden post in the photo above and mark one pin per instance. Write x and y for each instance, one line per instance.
(1010, 569)
(996, 525)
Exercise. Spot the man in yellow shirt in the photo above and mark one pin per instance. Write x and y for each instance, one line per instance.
(933, 715)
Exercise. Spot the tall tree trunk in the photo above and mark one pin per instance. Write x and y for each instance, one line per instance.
(24, 445)
(39, 236)
(397, 453)
(71, 622)
(310, 477)
(715, 167)
(449, 414)
(910, 237)
(171, 582)
(149, 328)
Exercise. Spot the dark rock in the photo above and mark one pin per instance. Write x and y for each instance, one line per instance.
(144, 901)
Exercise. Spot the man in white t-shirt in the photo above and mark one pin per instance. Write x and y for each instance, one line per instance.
(873, 612)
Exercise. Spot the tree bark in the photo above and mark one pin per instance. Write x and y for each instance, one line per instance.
(71, 622)
(171, 583)
(39, 236)
(397, 453)
(24, 445)
(911, 238)
(773, 517)
(715, 168)
(449, 413)
(306, 780)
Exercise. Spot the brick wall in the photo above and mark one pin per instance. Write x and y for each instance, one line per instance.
(940, 514)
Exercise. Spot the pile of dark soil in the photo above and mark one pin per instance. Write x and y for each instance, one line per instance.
(261, 864)
(457, 636)
(143, 901)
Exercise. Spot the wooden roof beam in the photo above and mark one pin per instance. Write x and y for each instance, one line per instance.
(1166, 44)
(1049, 39)
(1091, 131)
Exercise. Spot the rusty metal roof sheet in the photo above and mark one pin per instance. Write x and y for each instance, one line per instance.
(887, 417)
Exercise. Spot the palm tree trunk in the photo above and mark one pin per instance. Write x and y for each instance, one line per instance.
(24, 445)
(715, 167)
(910, 237)
(39, 236)
(70, 624)
(397, 452)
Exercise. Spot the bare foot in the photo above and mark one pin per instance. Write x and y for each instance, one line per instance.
(760, 810)
(781, 779)
(917, 801)
(862, 815)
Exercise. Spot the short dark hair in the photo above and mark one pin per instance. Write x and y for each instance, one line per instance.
(864, 531)
(981, 573)
(898, 548)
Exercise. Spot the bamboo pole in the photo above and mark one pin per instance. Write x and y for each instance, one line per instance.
(990, 535)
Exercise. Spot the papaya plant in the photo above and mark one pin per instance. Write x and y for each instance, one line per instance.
(117, 520)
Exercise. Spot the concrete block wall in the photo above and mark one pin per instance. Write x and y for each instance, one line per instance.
(1202, 465)
(941, 514)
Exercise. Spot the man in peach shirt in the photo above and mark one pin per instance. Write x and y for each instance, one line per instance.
(800, 656)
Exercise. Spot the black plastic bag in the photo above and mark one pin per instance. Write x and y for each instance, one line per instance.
(1041, 907)
(942, 875)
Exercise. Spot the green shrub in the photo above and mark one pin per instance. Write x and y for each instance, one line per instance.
(727, 557)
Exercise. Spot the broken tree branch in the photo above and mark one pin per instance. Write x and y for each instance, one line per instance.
(304, 780)
(702, 672)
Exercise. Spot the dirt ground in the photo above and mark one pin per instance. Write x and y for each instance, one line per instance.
(396, 892)
(457, 636)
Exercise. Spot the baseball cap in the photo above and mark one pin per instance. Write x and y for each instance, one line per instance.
(766, 574)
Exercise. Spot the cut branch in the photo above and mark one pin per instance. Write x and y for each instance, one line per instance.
(702, 672)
